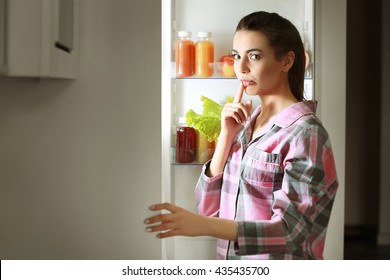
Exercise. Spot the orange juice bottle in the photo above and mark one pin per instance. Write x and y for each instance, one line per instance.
(204, 55)
(185, 55)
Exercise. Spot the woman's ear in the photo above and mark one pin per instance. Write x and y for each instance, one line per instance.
(288, 61)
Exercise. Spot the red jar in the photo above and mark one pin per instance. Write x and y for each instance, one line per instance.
(185, 142)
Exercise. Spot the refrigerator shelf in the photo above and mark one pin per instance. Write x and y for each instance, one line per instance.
(218, 75)
(217, 72)
(188, 164)
(199, 158)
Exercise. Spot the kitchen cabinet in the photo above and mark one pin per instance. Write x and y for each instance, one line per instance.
(219, 17)
(39, 38)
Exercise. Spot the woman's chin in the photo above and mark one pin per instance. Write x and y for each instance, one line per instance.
(251, 91)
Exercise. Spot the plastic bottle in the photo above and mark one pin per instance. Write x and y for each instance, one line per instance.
(184, 55)
(204, 55)
(307, 55)
(204, 149)
(308, 66)
(185, 142)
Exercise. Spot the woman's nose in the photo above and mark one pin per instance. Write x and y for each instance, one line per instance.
(241, 66)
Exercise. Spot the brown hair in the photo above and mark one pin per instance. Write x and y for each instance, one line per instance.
(283, 37)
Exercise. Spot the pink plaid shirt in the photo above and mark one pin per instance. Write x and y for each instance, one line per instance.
(279, 187)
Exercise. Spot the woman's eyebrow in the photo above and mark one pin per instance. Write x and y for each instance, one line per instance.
(250, 50)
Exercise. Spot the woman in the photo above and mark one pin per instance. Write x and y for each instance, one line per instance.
(268, 191)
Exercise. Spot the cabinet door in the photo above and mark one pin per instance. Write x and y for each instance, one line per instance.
(40, 39)
(219, 17)
(2, 36)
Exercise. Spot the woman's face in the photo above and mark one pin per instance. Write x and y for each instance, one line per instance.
(255, 64)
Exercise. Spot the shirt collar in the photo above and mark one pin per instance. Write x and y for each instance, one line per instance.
(291, 114)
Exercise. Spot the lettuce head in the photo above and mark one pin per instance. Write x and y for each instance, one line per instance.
(209, 122)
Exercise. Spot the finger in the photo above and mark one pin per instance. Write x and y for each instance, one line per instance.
(168, 234)
(239, 94)
(159, 218)
(248, 106)
(162, 227)
(164, 206)
(237, 111)
(237, 115)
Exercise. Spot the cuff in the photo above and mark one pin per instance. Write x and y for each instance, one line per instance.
(206, 178)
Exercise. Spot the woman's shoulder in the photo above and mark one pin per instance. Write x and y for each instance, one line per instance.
(310, 125)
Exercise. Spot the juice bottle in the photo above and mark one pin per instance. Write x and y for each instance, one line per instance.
(184, 55)
(308, 70)
(204, 148)
(185, 142)
(204, 55)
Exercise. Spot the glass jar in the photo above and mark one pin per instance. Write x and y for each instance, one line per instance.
(185, 142)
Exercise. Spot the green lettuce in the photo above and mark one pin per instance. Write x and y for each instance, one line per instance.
(209, 122)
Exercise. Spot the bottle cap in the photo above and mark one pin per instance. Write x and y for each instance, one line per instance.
(184, 34)
(204, 34)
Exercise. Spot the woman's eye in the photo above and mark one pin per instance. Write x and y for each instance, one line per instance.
(235, 56)
(254, 56)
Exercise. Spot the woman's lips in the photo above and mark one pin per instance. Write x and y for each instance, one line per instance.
(247, 83)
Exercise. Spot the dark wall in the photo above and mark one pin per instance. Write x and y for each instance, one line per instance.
(363, 112)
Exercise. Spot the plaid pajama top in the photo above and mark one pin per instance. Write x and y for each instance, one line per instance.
(279, 187)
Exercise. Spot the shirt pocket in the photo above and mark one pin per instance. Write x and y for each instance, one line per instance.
(262, 169)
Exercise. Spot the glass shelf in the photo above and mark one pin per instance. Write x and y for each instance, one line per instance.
(217, 75)
(187, 164)
(208, 78)
(217, 72)
(207, 154)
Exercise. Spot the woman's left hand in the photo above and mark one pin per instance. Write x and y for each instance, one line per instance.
(178, 222)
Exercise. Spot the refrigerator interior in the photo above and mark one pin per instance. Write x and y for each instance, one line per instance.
(219, 17)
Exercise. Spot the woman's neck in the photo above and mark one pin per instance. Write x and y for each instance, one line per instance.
(271, 105)
(274, 104)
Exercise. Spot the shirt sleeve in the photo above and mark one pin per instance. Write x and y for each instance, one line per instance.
(208, 193)
(301, 207)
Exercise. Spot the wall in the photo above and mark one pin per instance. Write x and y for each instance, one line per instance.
(80, 160)
(363, 114)
(384, 221)
(330, 91)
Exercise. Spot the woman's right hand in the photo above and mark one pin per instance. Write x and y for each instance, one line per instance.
(233, 117)
(235, 114)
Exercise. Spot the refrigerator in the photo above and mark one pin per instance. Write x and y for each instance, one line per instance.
(219, 17)
(321, 25)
